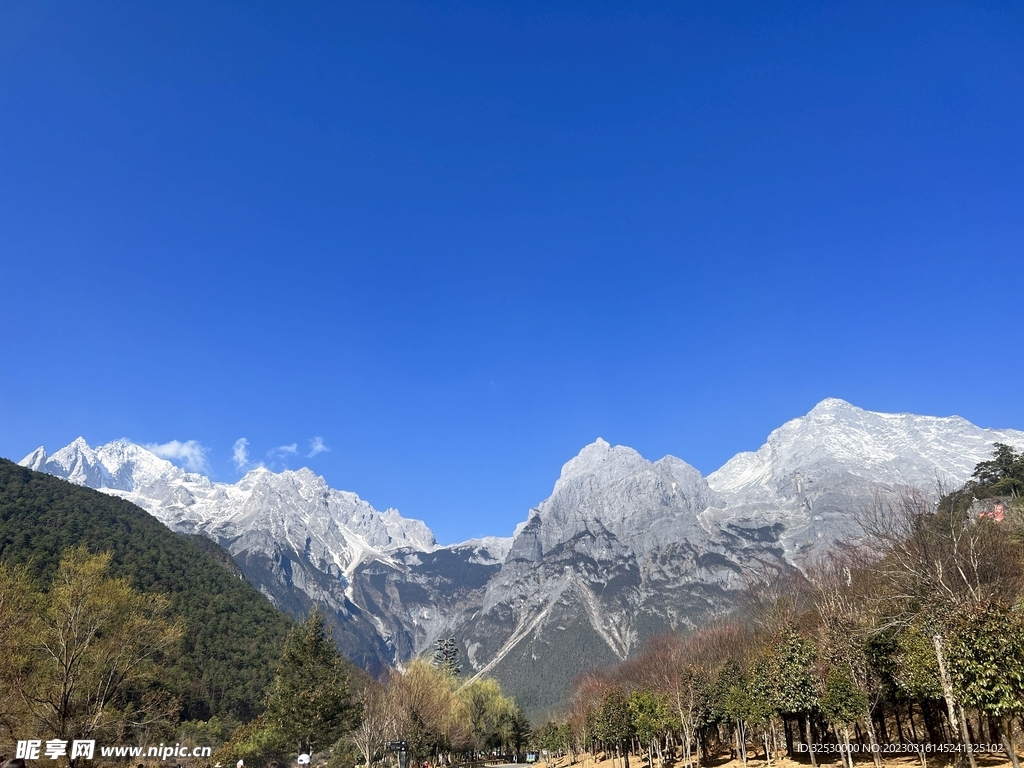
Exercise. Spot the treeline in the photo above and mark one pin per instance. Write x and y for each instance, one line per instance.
(910, 640)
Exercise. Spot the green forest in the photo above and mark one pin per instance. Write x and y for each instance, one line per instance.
(907, 643)
(230, 636)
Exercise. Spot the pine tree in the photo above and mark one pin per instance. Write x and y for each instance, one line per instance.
(311, 703)
(446, 656)
(1003, 475)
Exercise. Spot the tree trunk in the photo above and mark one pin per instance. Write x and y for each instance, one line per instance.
(956, 724)
(883, 727)
(876, 753)
(1006, 736)
(966, 737)
(810, 744)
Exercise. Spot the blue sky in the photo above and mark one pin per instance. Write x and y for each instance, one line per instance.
(458, 241)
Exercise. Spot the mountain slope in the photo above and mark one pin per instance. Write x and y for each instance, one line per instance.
(616, 554)
(233, 635)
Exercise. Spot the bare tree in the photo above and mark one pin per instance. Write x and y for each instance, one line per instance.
(377, 723)
(15, 622)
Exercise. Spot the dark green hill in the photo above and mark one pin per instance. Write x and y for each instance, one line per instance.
(233, 635)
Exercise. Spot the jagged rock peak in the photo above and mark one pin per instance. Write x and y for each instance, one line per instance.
(35, 460)
(601, 458)
(292, 503)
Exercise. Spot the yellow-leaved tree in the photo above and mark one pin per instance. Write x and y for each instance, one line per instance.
(93, 655)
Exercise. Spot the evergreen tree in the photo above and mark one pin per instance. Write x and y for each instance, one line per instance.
(311, 703)
(986, 658)
(614, 722)
(652, 716)
(843, 703)
(446, 656)
(1003, 475)
(519, 728)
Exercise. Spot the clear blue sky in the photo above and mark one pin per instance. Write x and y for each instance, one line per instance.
(458, 241)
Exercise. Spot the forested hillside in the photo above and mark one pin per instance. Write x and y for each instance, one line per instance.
(231, 635)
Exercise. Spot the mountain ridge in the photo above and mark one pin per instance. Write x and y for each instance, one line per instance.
(622, 548)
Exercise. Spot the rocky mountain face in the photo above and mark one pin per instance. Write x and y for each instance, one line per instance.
(815, 472)
(622, 549)
(298, 540)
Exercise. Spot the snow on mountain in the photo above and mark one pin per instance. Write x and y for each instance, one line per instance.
(336, 529)
(487, 549)
(613, 488)
(814, 473)
(623, 547)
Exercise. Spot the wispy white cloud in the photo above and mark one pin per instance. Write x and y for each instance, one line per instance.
(240, 453)
(190, 453)
(284, 450)
(317, 445)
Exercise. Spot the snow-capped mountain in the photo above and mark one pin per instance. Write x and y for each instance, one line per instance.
(625, 547)
(622, 549)
(296, 507)
(815, 472)
(615, 554)
(298, 540)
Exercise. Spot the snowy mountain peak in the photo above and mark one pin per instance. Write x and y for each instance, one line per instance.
(832, 405)
(613, 490)
(814, 472)
(264, 511)
(35, 460)
(601, 459)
